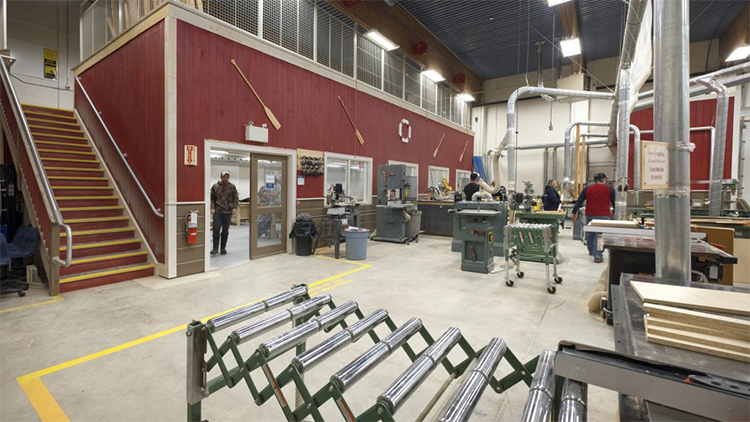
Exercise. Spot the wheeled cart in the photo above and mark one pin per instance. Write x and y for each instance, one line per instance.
(521, 237)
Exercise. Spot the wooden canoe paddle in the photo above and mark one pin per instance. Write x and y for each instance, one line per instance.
(356, 131)
(434, 154)
(461, 158)
(269, 113)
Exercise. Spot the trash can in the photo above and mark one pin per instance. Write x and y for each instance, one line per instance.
(356, 243)
(303, 233)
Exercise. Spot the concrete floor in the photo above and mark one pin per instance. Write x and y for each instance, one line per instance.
(144, 380)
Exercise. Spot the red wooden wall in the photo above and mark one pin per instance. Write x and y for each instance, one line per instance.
(127, 87)
(702, 113)
(214, 103)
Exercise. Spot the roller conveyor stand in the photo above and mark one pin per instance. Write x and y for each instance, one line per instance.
(522, 235)
(306, 319)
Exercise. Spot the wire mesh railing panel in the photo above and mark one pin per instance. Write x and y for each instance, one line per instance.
(393, 74)
(247, 16)
(289, 20)
(443, 102)
(272, 21)
(369, 62)
(131, 12)
(87, 28)
(412, 85)
(429, 88)
(324, 39)
(306, 28)
(99, 30)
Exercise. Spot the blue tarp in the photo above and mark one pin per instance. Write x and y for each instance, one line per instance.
(479, 167)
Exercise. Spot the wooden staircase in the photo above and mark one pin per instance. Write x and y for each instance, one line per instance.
(106, 246)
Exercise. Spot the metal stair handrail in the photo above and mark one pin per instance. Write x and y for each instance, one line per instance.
(156, 211)
(36, 161)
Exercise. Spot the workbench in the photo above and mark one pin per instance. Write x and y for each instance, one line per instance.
(436, 219)
(636, 255)
(630, 338)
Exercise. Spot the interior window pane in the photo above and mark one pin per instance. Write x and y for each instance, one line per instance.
(336, 173)
(358, 172)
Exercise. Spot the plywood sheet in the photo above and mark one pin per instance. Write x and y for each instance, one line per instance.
(694, 298)
(700, 348)
(615, 223)
(732, 333)
(742, 252)
(698, 338)
(696, 317)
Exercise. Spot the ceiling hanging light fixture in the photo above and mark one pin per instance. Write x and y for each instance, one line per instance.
(740, 53)
(571, 47)
(466, 97)
(380, 40)
(433, 75)
(551, 3)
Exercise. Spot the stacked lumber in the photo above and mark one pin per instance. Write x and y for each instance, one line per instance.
(707, 321)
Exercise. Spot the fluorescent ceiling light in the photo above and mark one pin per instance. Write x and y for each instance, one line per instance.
(740, 53)
(466, 97)
(571, 47)
(436, 77)
(551, 3)
(218, 151)
(380, 40)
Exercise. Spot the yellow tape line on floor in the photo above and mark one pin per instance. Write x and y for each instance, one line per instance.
(47, 407)
(31, 305)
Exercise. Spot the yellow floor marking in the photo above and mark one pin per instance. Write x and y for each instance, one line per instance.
(47, 407)
(53, 300)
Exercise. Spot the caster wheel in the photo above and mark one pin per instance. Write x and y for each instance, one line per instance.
(520, 274)
(509, 283)
(558, 280)
(21, 294)
(551, 289)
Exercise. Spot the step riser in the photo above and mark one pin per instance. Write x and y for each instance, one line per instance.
(103, 250)
(67, 182)
(101, 281)
(74, 173)
(102, 265)
(103, 237)
(98, 225)
(83, 192)
(67, 140)
(46, 116)
(68, 163)
(42, 129)
(58, 147)
(65, 113)
(49, 123)
(92, 214)
(61, 154)
(86, 203)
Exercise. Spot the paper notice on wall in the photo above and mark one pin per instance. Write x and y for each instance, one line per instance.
(50, 63)
(654, 165)
(270, 181)
(301, 180)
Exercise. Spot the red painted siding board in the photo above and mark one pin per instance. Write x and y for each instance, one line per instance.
(214, 102)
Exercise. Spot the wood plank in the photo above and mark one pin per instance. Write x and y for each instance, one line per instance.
(699, 338)
(731, 333)
(742, 252)
(628, 224)
(700, 348)
(693, 298)
(695, 317)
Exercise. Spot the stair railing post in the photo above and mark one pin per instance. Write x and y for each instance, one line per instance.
(53, 246)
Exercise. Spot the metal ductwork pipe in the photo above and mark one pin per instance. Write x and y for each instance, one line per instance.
(623, 136)
(647, 102)
(636, 10)
(729, 71)
(510, 136)
(672, 124)
(717, 154)
(486, 191)
(636, 161)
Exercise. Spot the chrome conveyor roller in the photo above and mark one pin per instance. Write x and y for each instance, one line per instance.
(541, 393)
(466, 397)
(573, 401)
(247, 312)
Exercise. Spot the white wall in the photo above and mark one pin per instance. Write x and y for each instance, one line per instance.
(239, 174)
(32, 26)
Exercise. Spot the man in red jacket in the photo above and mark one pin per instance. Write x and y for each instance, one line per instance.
(599, 197)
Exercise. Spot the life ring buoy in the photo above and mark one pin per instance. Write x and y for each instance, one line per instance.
(407, 138)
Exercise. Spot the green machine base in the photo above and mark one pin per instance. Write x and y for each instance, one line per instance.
(536, 254)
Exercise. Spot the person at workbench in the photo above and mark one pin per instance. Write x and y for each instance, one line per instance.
(551, 199)
(472, 187)
(599, 198)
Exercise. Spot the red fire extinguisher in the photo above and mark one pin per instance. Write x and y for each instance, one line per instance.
(191, 226)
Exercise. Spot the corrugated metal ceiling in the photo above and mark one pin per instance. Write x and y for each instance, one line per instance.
(498, 38)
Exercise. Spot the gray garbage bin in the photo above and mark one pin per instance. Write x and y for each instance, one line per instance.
(356, 244)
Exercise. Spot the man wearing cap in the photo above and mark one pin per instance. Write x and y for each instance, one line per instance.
(599, 197)
(551, 198)
(224, 203)
(472, 187)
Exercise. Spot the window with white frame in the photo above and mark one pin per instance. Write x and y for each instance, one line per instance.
(463, 177)
(354, 173)
(437, 174)
(412, 169)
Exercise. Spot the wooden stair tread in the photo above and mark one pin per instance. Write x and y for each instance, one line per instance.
(36, 119)
(107, 257)
(98, 231)
(112, 207)
(76, 178)
(83, 187)
(83, 198)
(55, 135)
(105, 272)
(96, 219)
(65, 151)
(41, 113)
(67, 144)
(74, 160)
(102, 244)
(25, 106)
(54, 128)
(72, 169)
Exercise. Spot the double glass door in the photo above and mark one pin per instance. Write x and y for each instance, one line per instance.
(269, 180)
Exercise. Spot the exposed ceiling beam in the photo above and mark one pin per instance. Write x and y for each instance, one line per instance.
(399, 26)
(736, 34)
(569, 18)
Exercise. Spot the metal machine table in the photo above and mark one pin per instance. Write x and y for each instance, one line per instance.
(636, 255)
(630, 338)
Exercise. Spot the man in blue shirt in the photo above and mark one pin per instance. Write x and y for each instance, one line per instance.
(551, 199)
